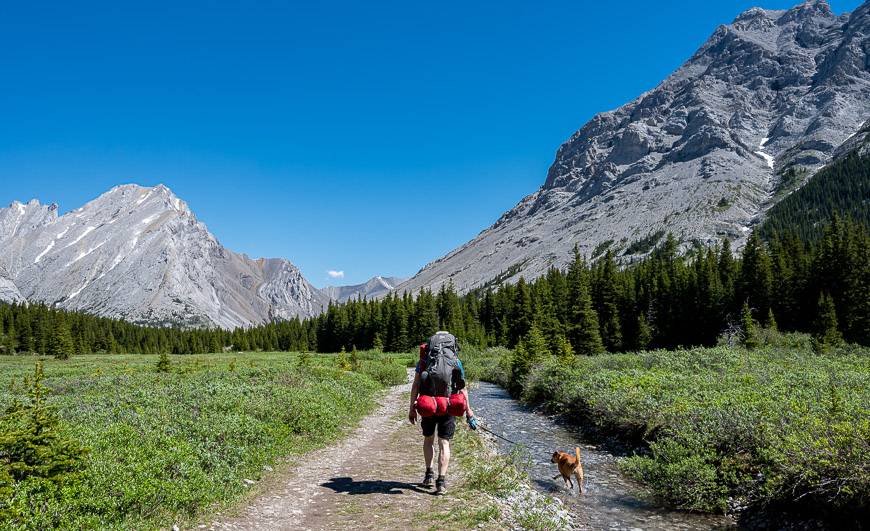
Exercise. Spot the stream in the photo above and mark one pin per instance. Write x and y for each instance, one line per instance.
(609, 501)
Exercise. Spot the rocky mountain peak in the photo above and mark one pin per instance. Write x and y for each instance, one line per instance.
(140, 254)
(701, 155)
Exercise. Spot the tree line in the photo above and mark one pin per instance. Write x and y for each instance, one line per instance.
(666, 300)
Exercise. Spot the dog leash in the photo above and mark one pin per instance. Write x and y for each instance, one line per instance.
(487, 430)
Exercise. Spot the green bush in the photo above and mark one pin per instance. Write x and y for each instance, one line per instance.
(386, 372)
(766, 426)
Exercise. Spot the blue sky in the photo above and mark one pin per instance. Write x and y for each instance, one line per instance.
(364, 137)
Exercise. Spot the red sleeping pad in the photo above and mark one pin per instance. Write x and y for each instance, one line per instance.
(429, 406)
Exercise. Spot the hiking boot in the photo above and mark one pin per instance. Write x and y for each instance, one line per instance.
(427, 480)
(440, 485)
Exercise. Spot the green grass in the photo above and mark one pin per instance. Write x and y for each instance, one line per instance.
(775, 427)
(168, 447)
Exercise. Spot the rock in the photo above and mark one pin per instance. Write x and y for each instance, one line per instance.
(771, 90)
(248, 482)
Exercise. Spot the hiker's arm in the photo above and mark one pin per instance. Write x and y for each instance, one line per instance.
(468, 412)
(415, 390)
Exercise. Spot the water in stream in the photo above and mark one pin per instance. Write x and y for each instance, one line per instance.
(608, 502)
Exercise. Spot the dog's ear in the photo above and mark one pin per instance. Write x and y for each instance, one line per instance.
(555, 457)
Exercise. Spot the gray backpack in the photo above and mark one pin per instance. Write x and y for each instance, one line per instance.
(441, 374)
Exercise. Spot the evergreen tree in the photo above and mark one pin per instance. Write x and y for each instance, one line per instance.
(770, 322)
(536, 344)
(644, 333)
(522, 315)
(61, 342)
(163, 363)
(564, 351)
(521, 363)
(32, 441)
(342, 361)
(607, 303)
(583, 321)
(748, 327)
(354, 359)
(827, 333)
(756, 276)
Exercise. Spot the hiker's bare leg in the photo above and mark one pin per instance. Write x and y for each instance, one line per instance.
(429, 450)
(444, 457)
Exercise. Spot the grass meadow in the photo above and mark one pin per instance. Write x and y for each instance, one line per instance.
(167, 447)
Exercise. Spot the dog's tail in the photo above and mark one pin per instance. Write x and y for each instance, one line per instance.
(577, 453)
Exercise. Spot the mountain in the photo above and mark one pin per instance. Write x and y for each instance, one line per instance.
(703, 155)
(374, 288)
(141, 255)
(841, 187)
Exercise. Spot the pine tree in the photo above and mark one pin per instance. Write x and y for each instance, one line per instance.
(607, 303)
(163, 363)
(521, 363)
(522, 315)
(582, 320)
(756, 275)
(644, 333)
(770, 322)
(342, 361)
(354, 359)
(536, 344)
(748, 327)
(564, 351)
(827, 333)
(378, 343)
(32, 442)
(61, 342)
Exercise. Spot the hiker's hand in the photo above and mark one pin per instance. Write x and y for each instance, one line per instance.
(472, 423)
(412, 415)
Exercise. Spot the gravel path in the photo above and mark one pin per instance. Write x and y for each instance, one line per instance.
(366, 481)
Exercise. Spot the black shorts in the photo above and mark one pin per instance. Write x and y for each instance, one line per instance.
(446, 426)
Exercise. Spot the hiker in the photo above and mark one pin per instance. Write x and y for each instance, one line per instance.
(438, 395)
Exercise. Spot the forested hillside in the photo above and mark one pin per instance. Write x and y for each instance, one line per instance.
(666, 300)
(843, 187)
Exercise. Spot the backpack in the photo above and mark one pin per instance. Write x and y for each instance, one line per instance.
(441, 374)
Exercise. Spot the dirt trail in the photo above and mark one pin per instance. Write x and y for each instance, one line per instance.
(366, 481)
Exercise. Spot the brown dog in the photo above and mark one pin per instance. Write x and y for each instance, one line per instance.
(569, 464)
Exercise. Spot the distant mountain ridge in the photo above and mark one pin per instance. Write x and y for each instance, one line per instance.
(703, 155)
(374, 288)
(140, 254)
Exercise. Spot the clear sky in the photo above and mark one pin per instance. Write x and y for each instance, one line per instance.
(365, 137)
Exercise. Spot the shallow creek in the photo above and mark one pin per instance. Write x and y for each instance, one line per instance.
(609, 501)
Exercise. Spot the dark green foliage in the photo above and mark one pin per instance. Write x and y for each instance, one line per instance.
(645, 244)
(61, 342)
(826, 333)
(841, 187)
(163, 363)
(583, 331)
(354, 359)
(34, 448)
(749, 327)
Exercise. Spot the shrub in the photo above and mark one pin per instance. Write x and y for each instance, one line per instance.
(777, 425)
